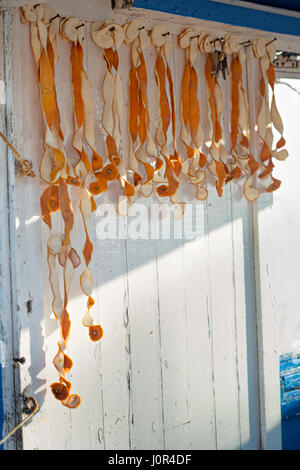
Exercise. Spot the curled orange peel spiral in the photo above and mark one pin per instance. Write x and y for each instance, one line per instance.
(268, 115)
(84, 133)
(109, 37)
(191, 134)
(216, 166)
(161, 39)
(142, 146)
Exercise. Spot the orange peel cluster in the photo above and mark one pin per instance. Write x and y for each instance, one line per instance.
(162, 41)
(268, 116)
(62, 174)
(154, 164)
(141, 146)
(191, 134)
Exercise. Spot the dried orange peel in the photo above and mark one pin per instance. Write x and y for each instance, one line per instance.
(43, 41)
(162, 41)
(243, 161)
(268, 116)
(153, 163)
(217, 150)
(142, 149)
(60, 252)
(109, 37)
(73, 30)
(191, 133)
(53, 170)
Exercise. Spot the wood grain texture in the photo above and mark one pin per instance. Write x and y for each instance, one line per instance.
(7, 407)
(267, 326)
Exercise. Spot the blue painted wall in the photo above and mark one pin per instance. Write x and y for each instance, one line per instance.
(290, 401)
(224, 13)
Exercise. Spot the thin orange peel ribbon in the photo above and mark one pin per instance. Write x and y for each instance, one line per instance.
(191, 132)
(110, 36)
(210, 45)
(268, 116)
(73, 30)
(141, 147)
(161, 39)
(244, 162)
(53, 169)
(43, 41)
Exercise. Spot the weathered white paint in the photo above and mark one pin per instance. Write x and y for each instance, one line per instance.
(267, 329)
(177, 367)
(9, 325)
(285, 216)
(6, 350)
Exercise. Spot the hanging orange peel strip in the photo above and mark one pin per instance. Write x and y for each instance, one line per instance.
(72, 29)
(52, 170)
(43, 41)
(243, 161)
(191, 133)
(141, 144)
(268, 116)
(215, 102)
(161, 39)
(59, 248)
(110, 36)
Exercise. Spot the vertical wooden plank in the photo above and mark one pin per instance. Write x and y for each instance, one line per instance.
(113, 301)
(8, 416)
(146, 414)
(223, 320)
(199, 360)
(244, 308)
(34, 297)
(86, 374)
(173, 344)
(199, 335)
(172, 319)
(267, 327)
(112, 291)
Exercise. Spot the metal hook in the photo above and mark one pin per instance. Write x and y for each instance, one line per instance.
(217, 39)
(166, 34)
(270, 42)
(244, 43)
(80, 26)
(51, 19)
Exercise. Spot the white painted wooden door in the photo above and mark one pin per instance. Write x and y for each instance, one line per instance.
(178, 366)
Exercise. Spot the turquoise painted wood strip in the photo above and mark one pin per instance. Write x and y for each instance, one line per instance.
(223, 13)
